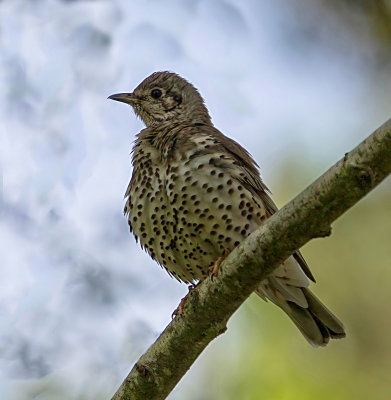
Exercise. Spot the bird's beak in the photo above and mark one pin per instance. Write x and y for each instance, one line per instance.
(128, 98)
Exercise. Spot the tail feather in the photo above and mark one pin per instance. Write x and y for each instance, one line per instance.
(289, 292)
(324, 315)
(315, 321)
(287, 288)
(311, 328)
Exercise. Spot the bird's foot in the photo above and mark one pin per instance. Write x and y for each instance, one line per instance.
(214, 269)
(181, 307)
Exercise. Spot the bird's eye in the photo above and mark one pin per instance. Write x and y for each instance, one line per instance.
(156, 93)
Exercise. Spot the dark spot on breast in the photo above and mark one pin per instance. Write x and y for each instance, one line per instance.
(200, 226)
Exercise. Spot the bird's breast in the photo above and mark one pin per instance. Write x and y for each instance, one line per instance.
(188, 210)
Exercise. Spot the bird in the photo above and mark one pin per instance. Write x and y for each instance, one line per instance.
(195, 194)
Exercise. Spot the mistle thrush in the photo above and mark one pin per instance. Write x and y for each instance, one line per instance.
(196, 194)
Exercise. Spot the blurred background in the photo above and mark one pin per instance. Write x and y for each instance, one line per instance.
(298, 83)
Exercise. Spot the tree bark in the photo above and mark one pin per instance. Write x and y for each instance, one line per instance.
(212, 303)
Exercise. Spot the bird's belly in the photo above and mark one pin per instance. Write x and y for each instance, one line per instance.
(212, 213)
(153, 222)
(188, 217)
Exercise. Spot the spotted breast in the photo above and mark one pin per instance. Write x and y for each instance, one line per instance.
(189, 200)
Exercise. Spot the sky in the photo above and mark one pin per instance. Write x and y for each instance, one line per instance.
(79, 300)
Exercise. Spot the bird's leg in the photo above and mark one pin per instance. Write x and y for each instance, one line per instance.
(181, 307)
(214, 269)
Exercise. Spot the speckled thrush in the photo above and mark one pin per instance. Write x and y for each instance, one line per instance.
(196, 194)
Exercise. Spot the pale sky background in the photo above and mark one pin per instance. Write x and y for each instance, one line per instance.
(79, 300)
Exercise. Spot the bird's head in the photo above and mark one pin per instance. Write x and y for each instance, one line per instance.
(166, 97)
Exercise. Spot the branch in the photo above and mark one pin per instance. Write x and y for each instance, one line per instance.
(209, 307)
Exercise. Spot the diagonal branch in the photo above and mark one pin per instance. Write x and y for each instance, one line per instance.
(209, 307)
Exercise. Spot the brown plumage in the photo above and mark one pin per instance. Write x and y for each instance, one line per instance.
(195, 193)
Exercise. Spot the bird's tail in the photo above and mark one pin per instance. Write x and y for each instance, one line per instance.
(314, 320)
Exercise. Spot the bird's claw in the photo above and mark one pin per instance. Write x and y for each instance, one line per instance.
(181, 307)
(214, 269)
